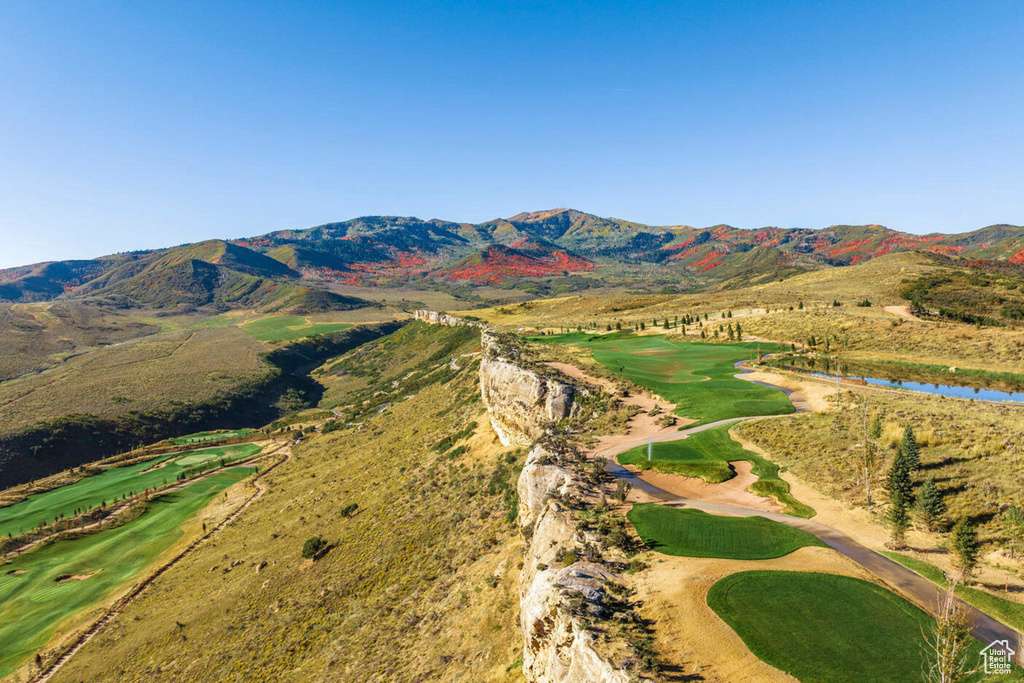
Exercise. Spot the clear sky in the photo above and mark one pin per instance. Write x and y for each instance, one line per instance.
(127, 125)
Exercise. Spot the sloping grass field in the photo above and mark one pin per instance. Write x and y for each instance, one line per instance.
(1009, 612)
(33, 604)
(707, 455)
(110, 485)
(289, 328)
(695, 533)
(825, 628)
(698, 377)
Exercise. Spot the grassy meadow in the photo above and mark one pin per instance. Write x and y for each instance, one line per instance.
(707, 455)
(972, 450)
(419, 583)
(695, 533)
(281, 328)
(698, 377)
(140, 375)
(36, 598)
(111, 485)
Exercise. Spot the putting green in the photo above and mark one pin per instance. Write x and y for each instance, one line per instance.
(33, 605)
(824, 628)
(694, 533)
(696, 376)
(111, 484)
(209, 437)
(707, 455)
(289, 328)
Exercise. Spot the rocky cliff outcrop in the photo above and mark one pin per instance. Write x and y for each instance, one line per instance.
(558, 647)
(436, 318)
(558, 600)
(521, 402)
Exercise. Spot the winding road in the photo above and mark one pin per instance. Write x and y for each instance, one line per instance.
(914, 587)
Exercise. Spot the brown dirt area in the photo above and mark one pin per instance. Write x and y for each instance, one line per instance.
(688, 633)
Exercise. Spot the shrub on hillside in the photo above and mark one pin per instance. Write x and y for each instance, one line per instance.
(313, 547)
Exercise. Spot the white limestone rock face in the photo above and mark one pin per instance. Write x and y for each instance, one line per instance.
(521, 403)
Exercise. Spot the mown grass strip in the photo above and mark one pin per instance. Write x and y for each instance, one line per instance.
(694, 533)
(109, 486)
(33, 603)
(707, 455)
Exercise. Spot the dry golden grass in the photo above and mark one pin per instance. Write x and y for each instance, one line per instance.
(140, 375)
(420, 584)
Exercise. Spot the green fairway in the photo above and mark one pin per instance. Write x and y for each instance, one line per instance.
(696, 376)
(1009, 612)
(209, 437)
(289, 328)
(707, 455)
(694, 533)
(111, 484)
(824, 628)
(33, 604)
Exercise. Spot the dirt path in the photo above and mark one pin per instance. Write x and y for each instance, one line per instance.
(78, 643)
(903, 312)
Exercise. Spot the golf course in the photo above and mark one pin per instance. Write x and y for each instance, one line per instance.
(697, 377)
(826, 628)
(113, 483)
(694, 533)
(209, 437)
(43, 588)
(707, 454)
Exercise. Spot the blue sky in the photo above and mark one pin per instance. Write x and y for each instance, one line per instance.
(127, 125)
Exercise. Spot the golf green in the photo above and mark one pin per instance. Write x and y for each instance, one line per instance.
(289, 328)
(111, 484)
(698, 377)
(33, 604)
(707, 455)
(824, 628)
(694, 533)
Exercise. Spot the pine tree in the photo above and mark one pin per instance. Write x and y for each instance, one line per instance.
(730, 331)
(909, 452)
(739, 332)
(930, 505)
(800, 305)
(901, 491)
(964, 543)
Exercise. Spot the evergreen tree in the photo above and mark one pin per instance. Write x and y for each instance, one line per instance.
(739, 332)
(909, 451)
(963, 542)
(730, 331)
(930, 505)
(800, 305)
(901, 491)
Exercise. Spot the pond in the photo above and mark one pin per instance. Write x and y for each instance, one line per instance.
(940, 389)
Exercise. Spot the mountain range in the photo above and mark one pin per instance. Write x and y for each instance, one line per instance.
(293, 269)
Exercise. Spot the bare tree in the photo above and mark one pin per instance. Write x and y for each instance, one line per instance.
(947, 648)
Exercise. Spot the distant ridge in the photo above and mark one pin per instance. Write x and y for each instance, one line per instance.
(289, 269)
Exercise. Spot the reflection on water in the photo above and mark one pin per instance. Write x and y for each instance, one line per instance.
(942, 389)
